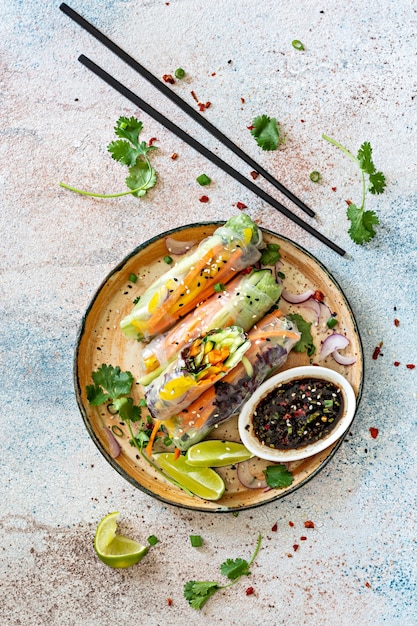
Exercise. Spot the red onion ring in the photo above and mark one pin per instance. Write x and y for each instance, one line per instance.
(343, 360)
(178, 247)
(333, 342)
(113, 444)
(247, 478)
(296, 298)
(314, 306)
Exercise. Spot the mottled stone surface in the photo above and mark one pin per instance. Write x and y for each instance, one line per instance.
(355, 81)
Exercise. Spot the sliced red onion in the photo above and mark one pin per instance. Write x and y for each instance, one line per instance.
(178, 247)
(314, 306)
(333, 342)
(296, 298)
(249, 476)
(113, 444)
(343, 360)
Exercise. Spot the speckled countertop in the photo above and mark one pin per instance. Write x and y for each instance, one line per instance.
(355, 81)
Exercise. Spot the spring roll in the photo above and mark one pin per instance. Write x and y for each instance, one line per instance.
(217, 259)
(199, 366)
(271, 341)
(245, 300)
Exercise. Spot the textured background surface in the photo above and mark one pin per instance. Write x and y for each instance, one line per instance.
(355, 81)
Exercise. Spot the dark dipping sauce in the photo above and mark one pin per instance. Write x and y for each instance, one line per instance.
(298, 413)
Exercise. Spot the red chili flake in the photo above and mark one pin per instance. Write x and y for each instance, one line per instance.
(295, 547)
(303, 538)
(348, 202)
(241, 206)
(201, 106)
(250, 127)
(174, 156)
(169, 601)
(274, 528)
(168, 78)
(377, 351)
(242, 100)
(302, 121)
(194, 96)
(204, 199)
(396, 363)
(291, 524)
(152, 141)
(213, 73)
(254, 174)
(334, 188)
(396, 322)
(368, 585)
(319, 296)
(208, 104)
(308, 524)
(374, 432)
(410, 366)
(250, 591)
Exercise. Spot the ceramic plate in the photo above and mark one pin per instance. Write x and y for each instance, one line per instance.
(100, 340)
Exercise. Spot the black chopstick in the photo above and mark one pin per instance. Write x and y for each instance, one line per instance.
(174, 97)
(179, 132)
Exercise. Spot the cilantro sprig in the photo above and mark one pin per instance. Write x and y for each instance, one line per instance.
(266, 132)
(112, 386)
(362, 222)
(198, 592)
(270, 254)
(305, 343)
(129, 151)
(277, 476)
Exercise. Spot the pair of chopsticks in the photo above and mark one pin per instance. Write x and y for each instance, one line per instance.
(184, 106)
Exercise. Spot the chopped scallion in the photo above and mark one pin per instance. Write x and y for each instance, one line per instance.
(315, 176)
(133, 278)
(332, 322)
(297, 44)
(196, 541)
(168, 260)
(152, 540)
(179, 72)
(203, 180)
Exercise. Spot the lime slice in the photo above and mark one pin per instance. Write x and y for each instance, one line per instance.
(116, 550)
(216, 453)
(201, 481)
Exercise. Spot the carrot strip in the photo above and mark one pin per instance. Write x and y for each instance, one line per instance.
(177, 453)
(154, 432)
(274, 333)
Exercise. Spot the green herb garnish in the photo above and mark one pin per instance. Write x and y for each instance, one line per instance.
(297, 44)
(277, 476)
(305, 343)
(152, 540)
(128, 151)
(203, 180)
(331, 322)
(363, 222)
(168, 260)
(266, 132)
(315, 176)
(198, 592)
(270, 254)
(179, 72)
(196, 541)
(219, 287)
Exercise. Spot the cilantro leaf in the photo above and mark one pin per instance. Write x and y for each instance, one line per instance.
(278, 476)
(235, 568)
(141, 177)
(377, 183)
(113, 380)
(362, 222)
(197, 593)
(266, 133)
(270, 254)
(305, 343)
(128, 128)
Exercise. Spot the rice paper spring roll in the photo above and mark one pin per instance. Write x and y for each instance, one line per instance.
(231, 248)
(200, 365)
(271, 342)
(244, 301)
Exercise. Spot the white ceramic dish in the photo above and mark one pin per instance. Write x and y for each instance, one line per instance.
(245, 424)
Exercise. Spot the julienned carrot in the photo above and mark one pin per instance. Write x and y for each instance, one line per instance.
(275, 333)
(173, 306)
(177, 453)
(154, 432)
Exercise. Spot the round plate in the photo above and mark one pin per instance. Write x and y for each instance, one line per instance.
(100, 340)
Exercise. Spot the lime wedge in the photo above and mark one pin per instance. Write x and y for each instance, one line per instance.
(216, 453)
(201, 481)
(116, 550)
